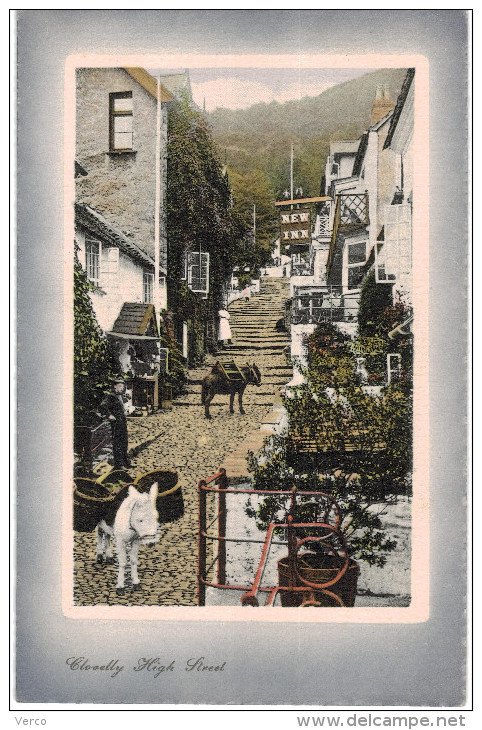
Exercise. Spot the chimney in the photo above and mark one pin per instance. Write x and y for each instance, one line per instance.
(382, 104)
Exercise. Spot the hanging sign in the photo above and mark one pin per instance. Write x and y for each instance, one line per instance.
(295, 227)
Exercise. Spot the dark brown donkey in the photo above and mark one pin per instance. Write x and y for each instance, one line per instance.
(216, 383)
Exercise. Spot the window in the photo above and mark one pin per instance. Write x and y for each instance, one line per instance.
(120, 121)
(148, 287)
(356, 256)
(109, 261)
(394, 366)
(198, 272)
(92, 260)
(393, 257)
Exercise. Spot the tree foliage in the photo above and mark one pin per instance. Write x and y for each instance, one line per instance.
(249, 190)
(377, 316)
(341, 440)
(374, 299)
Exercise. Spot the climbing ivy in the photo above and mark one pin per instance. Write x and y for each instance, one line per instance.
(200, 215)
(374, 298)
(94, 361)
(377, 316)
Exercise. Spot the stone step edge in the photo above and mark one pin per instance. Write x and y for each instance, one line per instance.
(235, 463)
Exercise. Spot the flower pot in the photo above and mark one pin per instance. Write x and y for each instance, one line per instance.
(321, 569)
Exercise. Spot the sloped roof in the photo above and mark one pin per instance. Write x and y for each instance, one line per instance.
(375, 127)
(402, 97)
(136, 318)
(79, 170)
(344, 146)
(177, 83)
(364, 142)
(148, 82)
(360, 154)
(97, 224)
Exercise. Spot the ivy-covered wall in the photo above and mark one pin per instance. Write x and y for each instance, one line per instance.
(200, 217)
(95, 364)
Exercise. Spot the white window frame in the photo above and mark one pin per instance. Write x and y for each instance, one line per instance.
(203, 255)
(391, 369)
(348, 266)
(183, 276)
(147, 287)
(109, 261)
(93, 261)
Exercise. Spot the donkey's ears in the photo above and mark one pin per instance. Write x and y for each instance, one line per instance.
(153, 491)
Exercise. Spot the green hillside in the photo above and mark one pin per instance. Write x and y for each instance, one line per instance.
(259, 138)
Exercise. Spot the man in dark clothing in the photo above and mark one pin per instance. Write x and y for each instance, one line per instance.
(113, 408)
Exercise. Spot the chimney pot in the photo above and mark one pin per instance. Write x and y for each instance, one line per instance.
(382, 104)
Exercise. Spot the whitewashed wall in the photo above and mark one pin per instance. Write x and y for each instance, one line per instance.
(120, 280)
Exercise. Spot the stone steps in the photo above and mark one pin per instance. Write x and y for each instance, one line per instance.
(253, 324)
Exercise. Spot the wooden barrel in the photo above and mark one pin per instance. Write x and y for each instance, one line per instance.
(91, 501)
(308, 568)
(169, 503)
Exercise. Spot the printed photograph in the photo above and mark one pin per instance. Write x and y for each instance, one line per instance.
(243, 337)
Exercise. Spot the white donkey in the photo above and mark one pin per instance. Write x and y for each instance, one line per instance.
(134, 521)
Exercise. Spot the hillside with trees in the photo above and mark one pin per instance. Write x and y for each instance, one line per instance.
(259, 138)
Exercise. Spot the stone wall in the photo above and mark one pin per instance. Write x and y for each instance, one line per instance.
(120, 185)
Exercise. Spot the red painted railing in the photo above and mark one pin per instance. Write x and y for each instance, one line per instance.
(220, 488)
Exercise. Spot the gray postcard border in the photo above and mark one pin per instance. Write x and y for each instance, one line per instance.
(339, 665)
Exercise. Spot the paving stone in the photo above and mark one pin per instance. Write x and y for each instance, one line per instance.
(182, 439)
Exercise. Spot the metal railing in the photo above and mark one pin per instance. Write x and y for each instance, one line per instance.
(296, 583)
(325, 304)
(302, 269)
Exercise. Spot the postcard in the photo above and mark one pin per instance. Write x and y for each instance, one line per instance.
(243, 457)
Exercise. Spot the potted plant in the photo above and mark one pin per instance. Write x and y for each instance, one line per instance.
(349, 445)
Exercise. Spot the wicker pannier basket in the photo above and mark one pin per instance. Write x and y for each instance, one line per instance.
(91, 501)
(169, 503)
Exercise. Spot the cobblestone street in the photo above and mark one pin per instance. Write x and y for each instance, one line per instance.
(184, 441)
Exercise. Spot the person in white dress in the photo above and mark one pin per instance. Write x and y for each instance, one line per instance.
(224, 334)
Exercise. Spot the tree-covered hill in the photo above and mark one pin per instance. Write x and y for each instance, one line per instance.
(259, 137)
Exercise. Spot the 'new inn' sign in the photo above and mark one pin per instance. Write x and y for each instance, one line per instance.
(296, 227)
